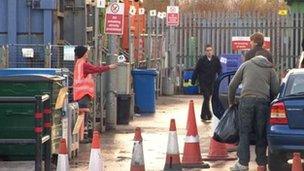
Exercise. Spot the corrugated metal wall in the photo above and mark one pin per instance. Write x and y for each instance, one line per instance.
(218, 28)
(197, 30)
(27, 22)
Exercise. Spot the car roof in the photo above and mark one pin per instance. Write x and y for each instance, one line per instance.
(296, 71)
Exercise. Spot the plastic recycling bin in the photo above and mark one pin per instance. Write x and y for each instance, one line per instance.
(188, 88)
(144, 81)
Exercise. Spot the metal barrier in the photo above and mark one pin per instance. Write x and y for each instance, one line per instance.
(42, 123)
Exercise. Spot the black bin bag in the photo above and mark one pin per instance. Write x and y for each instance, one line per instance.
(227, 129)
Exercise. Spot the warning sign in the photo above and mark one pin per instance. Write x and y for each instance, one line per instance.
(114, 19)
(172, 16)
(243, 43)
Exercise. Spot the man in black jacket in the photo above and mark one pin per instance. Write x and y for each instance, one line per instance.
(206, 70)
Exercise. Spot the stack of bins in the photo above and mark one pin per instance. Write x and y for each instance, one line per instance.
(68, 111)
(27, 85)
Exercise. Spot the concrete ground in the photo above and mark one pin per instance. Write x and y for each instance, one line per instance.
(117, 145)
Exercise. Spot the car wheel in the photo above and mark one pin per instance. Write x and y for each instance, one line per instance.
(277, 161)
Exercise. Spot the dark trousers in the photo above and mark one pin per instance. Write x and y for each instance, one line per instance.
(85, 103)
(253, 114)
(205, 112)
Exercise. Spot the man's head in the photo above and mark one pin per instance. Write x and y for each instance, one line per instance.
(81, 52)
(257, 39)
(208, 50)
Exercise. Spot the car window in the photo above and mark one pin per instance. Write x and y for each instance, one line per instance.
(295, 84)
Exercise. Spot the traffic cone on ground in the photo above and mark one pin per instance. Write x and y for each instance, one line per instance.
(218, 151)
(137, 162)
(96, 163)
(261, 168)
(172, 158)
(63, 158)
(296, 162)
(231, 147)
(192, 154)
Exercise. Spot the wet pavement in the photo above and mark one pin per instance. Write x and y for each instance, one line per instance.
(117, 145)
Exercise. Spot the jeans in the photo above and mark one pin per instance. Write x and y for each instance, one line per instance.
(253, 114)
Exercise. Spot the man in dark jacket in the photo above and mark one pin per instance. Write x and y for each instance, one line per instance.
(260, 85)
(257, 41)
(206, 70)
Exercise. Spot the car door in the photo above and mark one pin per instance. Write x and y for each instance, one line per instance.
(219, 100)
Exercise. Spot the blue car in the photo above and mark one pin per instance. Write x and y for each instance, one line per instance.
(285, 132)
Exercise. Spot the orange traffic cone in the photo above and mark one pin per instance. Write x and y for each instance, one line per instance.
(218, 151)
(96, 163)
(231, 147)
(261, 168)
(192, 153)
(137, 162)
(296, 162)
(63, 158)
(172, 158)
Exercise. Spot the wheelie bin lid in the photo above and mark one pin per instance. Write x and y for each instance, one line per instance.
(18, 71)
(150, 71)
(30, 78)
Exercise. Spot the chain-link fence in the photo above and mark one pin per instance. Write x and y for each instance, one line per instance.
(37, 56)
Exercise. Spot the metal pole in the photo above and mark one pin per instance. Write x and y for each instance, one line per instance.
(38, 130)
(96, 57)
(111, 111)
(131, 39)
(149, 41)
(48, 58)
(48, 126)
(277, 37)
(172, 61)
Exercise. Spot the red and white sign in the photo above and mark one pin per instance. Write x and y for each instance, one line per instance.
(114, 22)
(243, 43)
(172, 16)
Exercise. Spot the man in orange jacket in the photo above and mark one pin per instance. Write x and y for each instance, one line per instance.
(84, 84)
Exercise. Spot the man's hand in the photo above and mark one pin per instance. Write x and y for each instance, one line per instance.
(113, 66)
